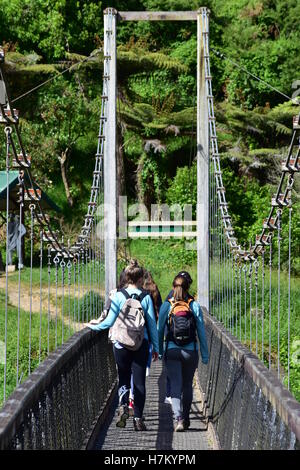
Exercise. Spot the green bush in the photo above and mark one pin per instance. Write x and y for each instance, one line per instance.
(183, 188)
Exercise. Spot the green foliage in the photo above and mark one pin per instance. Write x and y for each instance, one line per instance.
(157, 79)
(248, 203)
(258, 35)
(164, 259)
(86, 303)
(51, 28)
(183, 188)
(150, 179)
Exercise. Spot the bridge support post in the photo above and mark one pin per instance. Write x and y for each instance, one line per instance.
(110, 179)
(202, 168)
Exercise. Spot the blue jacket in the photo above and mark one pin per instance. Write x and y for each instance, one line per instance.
(197, 312)
(115, 308)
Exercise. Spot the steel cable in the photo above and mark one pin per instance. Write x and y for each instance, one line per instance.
(49, 283)
(289, 290)
(256, 265)
(41, 294)
(279, 212)
(20, 262)
(270, 302)
(8, 142)
(262, 305)
(31, 207)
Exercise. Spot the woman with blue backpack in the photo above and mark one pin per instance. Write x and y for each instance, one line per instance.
(184, 320)
(132, 324)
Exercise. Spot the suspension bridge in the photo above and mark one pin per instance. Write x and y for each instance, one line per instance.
(66, 395)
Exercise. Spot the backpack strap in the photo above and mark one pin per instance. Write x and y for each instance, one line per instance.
(143, 295)
(125, 293)
(139, 297)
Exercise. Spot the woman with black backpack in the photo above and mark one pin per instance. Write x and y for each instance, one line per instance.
(184, 320)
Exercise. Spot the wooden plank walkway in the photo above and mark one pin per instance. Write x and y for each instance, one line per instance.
(159, 422)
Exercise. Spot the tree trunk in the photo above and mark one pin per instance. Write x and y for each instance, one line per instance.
(63, 169)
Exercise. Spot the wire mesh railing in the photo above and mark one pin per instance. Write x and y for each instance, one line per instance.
(250, 292)
(62, 285)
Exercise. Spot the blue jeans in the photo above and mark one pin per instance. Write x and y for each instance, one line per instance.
(181, 365)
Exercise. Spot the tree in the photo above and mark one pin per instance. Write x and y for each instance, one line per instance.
(66, 114)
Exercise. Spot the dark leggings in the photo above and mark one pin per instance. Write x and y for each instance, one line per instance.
(134, 362)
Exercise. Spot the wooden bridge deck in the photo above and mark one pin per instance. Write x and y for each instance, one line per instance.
(159, 422)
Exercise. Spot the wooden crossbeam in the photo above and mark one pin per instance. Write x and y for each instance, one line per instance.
(157, 15)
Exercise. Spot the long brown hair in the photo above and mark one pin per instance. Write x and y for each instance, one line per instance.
(152, 288)
(180, 288)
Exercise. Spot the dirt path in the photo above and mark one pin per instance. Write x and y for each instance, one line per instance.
(34, 304)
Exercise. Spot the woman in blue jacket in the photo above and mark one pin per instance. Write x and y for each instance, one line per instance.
(181, 361)
(129, 361)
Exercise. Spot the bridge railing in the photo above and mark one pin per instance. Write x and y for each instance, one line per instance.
(247, 405)
(59, 405)
(250, 293)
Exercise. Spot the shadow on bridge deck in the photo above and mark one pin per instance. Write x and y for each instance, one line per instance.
(159, 421)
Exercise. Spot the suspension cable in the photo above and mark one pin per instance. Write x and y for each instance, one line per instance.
(256, 265)
(289, 289)
(59, 74)
(223, 56)
(279, 212)
(262, 304)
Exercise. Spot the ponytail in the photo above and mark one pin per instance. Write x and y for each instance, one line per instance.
(180, 288)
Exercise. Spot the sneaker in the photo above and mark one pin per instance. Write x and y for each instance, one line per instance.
(179, 426)
(147, 371)
(168, 400)
(186, 424)
(131, 407)
(123, 414)
(139, 424)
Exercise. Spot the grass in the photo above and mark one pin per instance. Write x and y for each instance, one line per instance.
(43, 273)
(263, 328)
(69, 308)
(164, 259)
(37, 329)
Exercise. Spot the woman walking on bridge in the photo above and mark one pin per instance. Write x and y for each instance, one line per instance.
(184, 320)
(125, 319)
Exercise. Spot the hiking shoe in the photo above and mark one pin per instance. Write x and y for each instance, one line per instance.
(179, 425)
(123, 414)
(131, 407)
(139, 424)
(186, 424)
